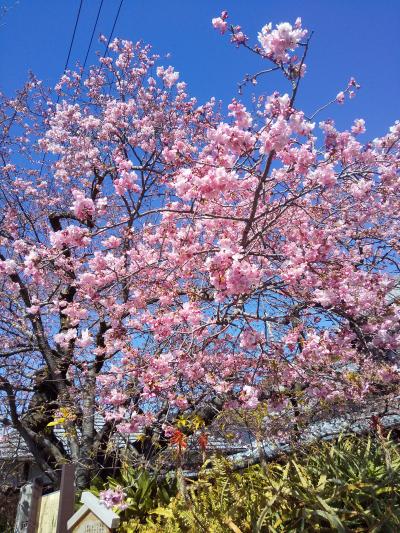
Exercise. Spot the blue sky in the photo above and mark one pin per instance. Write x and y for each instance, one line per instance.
(352, 38)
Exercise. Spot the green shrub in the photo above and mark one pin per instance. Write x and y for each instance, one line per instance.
(143, 494)
(350, 485)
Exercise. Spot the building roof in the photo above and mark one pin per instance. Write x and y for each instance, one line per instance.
(356, 421)
(12, 445)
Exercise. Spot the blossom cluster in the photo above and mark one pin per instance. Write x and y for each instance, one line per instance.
(171, 254)
(277, 43)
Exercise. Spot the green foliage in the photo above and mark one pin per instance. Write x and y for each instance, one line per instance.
(350, 485)
(143, 494)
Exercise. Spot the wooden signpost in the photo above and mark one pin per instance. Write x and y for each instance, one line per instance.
(54, 512)
(67, 499)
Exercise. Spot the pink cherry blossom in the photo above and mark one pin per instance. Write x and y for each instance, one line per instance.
(173, 257)
(358, 126)
(82, 207)
(169, 75)
(277, 42)
(114, 498)
(340, 97)
(220, 24)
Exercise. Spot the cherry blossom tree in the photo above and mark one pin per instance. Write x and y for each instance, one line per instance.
(163, 259)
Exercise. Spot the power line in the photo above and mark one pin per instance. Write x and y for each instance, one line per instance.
(65, 68)
(73, 35)
(113, 28)
(91, 37)
(88, 50)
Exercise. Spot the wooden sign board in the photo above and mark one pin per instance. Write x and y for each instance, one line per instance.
(48, 513)
(89, 523)
(47, 522)
(92, 517)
